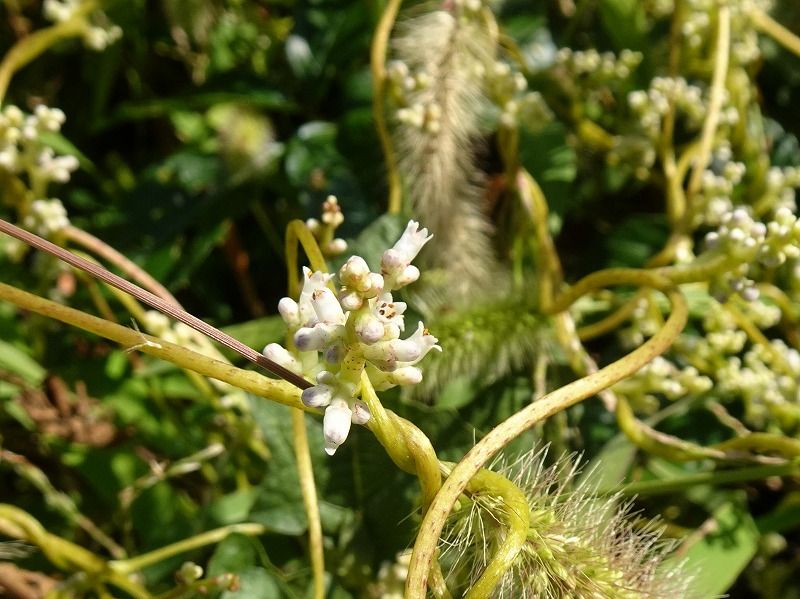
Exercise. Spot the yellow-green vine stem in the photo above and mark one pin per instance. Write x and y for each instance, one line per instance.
(378, 68)
(30, 47)
(278, 391)
(717, 96)
(17, 523)
(134, 564)
(502, 434)
(776, 31)
(297, 233)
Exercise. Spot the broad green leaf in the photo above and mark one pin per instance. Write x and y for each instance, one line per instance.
(720, 556)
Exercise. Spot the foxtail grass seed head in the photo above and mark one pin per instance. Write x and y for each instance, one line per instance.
(339, 334)
(579, 544)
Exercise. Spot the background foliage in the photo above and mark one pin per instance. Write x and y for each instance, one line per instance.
(201, 134)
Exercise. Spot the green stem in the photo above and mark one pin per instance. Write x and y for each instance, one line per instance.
(518, 520)
(30, 47)
(724, 477)
(377, 65)
(717, 96)
(279, 391)
(135, 564)
(776, 31)
(297, 233)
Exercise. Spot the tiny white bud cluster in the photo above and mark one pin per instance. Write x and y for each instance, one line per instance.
(332, 218)
(159, 325)
(338, 335)
(46, 217)
(23, 153)
(662, 377)
(598, 67)
(697, 24)
(97, 35)
(652, 105)
(715, 197)
(21, 149)
(508, 90)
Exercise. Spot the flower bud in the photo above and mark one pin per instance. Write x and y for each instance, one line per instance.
(281, 356)
(317, 396)
(361, 413)
(327, 307)
(406, 375)
(290, 312)
(369, 328)
(336, 425)
(317, 337)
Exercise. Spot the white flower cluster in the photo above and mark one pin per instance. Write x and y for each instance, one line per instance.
(46, 217)
(756, 374)
(662, 377)
(652, 105)
(392, 578)
(508, 90)
(339, 335)
(22, 151)
(770, 394)
(696, 27)
(159, 325)
(405, 86)
(752, 243)
(781, 183)
(97, 35)
(598, 67)
(715, 197)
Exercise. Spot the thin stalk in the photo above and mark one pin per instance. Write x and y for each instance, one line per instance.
(297, 233)
(19, 524)
(154, 302)
(135, 564)
(721, 60)
(276, 390)
(776, 31)
(30, 47)
(129, 268)
(724, 477)
(378, 68)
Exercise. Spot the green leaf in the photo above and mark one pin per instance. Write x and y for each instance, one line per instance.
(720, 556)
(235, 553)
(255, 582)
(624, 22)
(279, 503)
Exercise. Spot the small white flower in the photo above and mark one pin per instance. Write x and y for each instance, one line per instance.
(290, 312)
(336, 425)
(361, 413)
(317, 396)
(318, 337)
(424, 342)
(281, 356)
(327, 307)
(396, 260)
(369, 328)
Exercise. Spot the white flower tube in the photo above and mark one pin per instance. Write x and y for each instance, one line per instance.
(336, 425)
